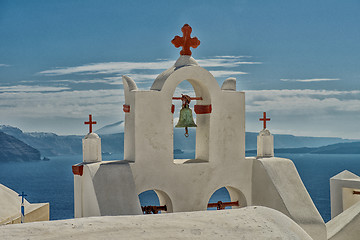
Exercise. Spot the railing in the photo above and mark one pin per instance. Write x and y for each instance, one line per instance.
(153, 209)
(221, 205)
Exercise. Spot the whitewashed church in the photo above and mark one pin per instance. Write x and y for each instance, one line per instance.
(268, 198)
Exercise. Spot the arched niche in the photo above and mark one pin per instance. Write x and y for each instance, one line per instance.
(228, 194)
(202, 121)
(220, 194)
(156, 197)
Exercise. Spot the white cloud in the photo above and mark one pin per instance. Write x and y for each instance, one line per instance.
(223, 62)
(302, 101)
(311, 80)
(216, 73)
(305, 108)
(139, 76)
(24, 88)
(130, 67)
(305, 112)
(116, 80)
(108, 80)
(4, 65)
(42, 101)
(65, 104)
(233, 56)
(293, 92)
(109, 68)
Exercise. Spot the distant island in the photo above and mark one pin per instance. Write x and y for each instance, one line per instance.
(338, 148)
(12, 149)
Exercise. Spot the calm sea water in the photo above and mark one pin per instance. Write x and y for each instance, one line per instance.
(52, 181)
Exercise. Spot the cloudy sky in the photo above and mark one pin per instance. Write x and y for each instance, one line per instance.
(297, 60)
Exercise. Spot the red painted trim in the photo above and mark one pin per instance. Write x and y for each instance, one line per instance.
(126, 108)
(172, 108)
(202, 109)
(78, 169)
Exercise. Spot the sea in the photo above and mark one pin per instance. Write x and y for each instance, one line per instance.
(53, 181)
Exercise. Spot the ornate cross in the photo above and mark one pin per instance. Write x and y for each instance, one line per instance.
(90, 122)
(186, 41)
(264, 119)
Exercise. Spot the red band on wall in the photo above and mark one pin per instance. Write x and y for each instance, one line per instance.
(202, 109)
(78, 169)
(172, 108)
(126, 108)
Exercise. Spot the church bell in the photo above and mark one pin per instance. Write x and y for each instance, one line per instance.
(186, 119)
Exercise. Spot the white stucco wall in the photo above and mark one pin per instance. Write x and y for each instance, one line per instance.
(277, 184)
(349, 198)
(341, 195)
(91, 148)
(105, 189)
(345, 225)
(265, 144)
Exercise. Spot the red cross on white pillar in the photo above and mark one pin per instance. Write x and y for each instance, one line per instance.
(186, 41)
(90, 122)
(264, 119)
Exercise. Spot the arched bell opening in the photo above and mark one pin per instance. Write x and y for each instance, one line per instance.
(184, 147)
(155, 201)
(226, 198)
(195, 147)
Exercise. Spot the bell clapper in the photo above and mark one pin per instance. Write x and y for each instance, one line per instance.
(186, 132)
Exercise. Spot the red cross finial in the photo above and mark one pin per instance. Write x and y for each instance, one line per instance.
(90, 122)
(264, 119)
(185, 41)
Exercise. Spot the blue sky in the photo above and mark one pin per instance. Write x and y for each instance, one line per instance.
(297, 60)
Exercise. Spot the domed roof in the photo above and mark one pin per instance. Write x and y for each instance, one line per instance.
(183, 61)
(245, 223)
(91, 135)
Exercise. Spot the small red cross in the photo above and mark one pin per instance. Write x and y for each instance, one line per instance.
(90, 122)
(186, 41)
(264, 119)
